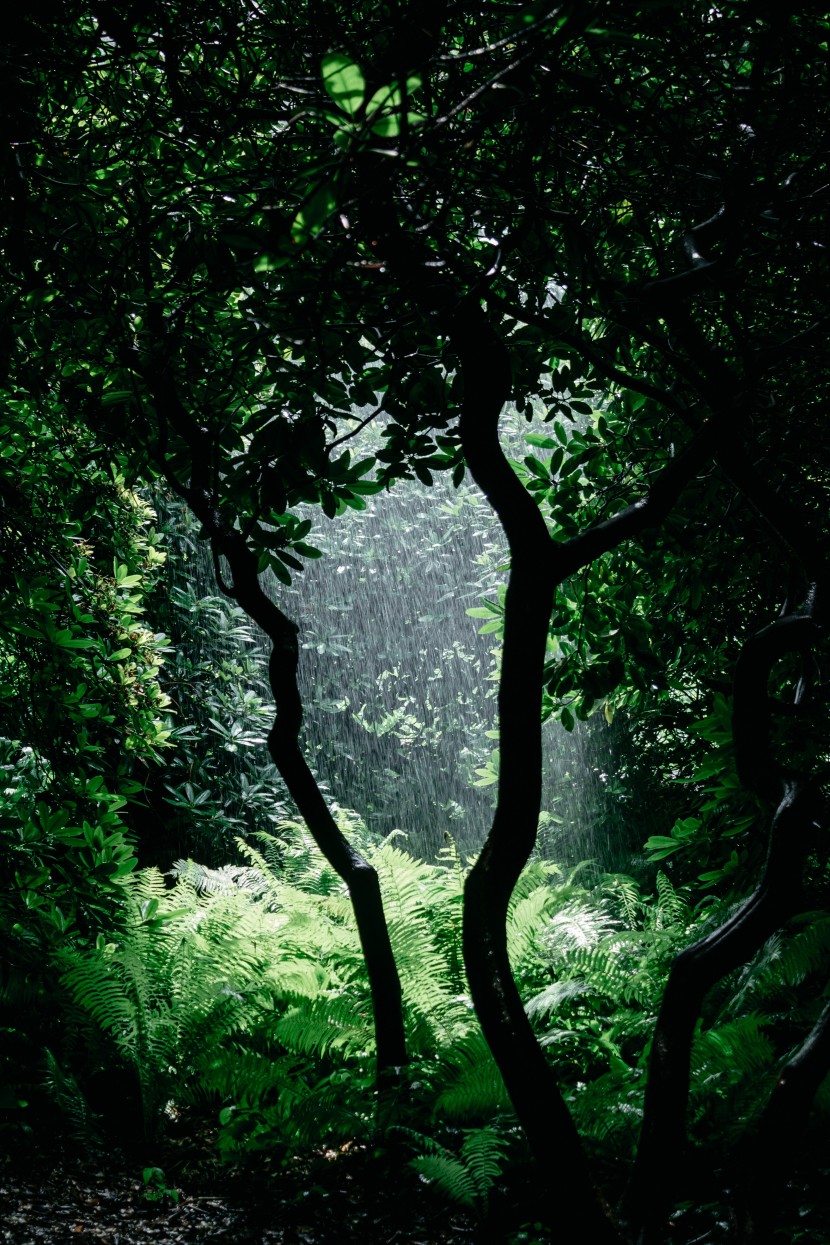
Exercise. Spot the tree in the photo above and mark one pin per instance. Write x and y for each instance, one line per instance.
(224, 242)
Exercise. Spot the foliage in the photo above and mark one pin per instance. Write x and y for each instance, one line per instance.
(156, 1188)
(468, 1175)
(225, 247)
(80, 698)
(216, 784)
(243, 987)
(82, 714)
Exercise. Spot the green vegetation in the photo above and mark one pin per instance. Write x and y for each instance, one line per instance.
(250, 281)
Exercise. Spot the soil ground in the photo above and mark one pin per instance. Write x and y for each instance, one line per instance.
(55, 1195)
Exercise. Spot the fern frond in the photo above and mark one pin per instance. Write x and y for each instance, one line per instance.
(448, 1174)
(67, 1095)
(333, 1024)
(250, 1077)
(736, 1049)
(807, 951)
(578, 924)
(466, 1177)
(473, 1087)
(671, 909)
(624, 891)
(448, 858)
(552, 997)
(525, 924)
(483, 1152)
(535, 875)
(335, 1108)
(223, 881)
(97, 987)
(609, 1109)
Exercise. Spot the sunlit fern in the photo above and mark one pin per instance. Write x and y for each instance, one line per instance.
(186, 971)
(245, 987)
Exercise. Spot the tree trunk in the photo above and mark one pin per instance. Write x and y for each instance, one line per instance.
(793, 830)
(566, 1183)
(283, 740)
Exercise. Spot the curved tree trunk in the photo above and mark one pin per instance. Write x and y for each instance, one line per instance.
(574, 1206)
(353, 868)
(283, 740)
(792, 833)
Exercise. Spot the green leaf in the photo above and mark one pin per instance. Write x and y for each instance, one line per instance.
(344, 82)
(270, 263)
(659, 846)
(314, 213)
(390, 98)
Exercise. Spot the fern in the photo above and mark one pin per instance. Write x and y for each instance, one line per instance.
(468, 1176)
(66, 1093)
(245, 986)
(337, 1023)
(187, 971)
(524, 925)
(547, 1001)
(608, 1110)
(470, 1086)
(428, 964)
(802, 954)
(624, 893)
(578, 923)
(731, 1051)
(222, 881)
(449, 1174)
(671, 910)
(251, 1076)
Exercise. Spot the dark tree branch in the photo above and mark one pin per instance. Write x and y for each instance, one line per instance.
(793, 830)
(730, 402)
(758, 768)
(347, 436)
(571, 556)
(283, 739)
(587, 350)
(693, 973)
(714, 382)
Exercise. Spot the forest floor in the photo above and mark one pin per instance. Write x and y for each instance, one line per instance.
(53, 1194)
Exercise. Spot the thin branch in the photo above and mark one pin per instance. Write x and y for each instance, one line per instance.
(354, 431)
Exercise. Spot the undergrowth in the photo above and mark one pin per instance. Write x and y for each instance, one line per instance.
(241, 991)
